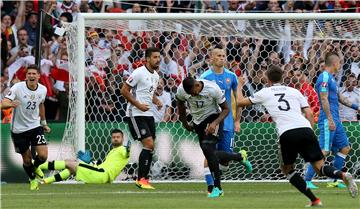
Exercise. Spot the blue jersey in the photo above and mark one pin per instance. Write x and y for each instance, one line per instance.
(326, 83)
(227, 81)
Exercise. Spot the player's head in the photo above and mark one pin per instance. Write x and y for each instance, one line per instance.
(351, 82)
(152, 56)
(218, 56)
(274, 74)
(117, 137)
(192, 86)
(332, 62)
(32, 73)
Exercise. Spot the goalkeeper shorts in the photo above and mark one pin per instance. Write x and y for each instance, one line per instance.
(91, 175)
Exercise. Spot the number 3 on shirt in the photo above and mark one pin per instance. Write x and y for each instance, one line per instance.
(281, 99)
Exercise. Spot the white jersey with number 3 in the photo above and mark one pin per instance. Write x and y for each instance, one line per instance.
(26, 116)
(284, 105)
(206, 103)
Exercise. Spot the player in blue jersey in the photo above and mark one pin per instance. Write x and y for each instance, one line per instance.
(227, 81)
(332, 134)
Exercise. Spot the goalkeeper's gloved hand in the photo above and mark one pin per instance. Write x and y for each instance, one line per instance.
(128, 146)
(84, 156)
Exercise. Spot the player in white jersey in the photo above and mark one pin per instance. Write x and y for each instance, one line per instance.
(28, 122)
(286, 106)
(139, 92)
(208, 109)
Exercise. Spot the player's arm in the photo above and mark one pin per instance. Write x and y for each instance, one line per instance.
(182, 114)
(157, 102)
(43, 119)
(308, 115)
(238, 109)
(125, 91)
(7, 103)
(345, 101)
(242, 101)
(224, 112)
(219, 97)
(326, 107)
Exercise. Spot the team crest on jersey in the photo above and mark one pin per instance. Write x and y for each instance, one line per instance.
(228, 81)
(143, 131)
(324, 84)
(32, 97)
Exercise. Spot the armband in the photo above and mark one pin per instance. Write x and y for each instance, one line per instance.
(43, 123)
(354, 106)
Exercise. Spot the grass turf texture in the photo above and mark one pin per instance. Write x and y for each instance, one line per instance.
(168, 195)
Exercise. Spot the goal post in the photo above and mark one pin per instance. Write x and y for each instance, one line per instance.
(283, 28)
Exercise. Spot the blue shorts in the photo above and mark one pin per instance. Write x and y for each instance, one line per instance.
(226, 143)
(332, 140)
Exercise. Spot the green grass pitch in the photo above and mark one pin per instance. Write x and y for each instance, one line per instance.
(167, 195)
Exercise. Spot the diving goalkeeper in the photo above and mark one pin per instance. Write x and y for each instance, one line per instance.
(105, 172)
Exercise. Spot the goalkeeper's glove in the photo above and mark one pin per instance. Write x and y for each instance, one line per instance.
(128, 146)
(84, 156)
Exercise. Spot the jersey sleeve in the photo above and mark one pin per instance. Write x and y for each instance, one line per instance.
(324, 83)
(180, 94)
(44, 95)
(12, 93)
(134, 78)
(234, 83)
(302, 100)
(258, 97)
(219, 96)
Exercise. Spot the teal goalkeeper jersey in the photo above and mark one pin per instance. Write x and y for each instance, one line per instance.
(115, 161)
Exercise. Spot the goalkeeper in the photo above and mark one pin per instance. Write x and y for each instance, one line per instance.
(105, 172)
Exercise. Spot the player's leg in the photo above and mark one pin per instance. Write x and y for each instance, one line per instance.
(325, 140)
(342, 149)
(332, 172)
(22, 144)
(67, 168)
(39, 142)
(224, 144)
(143, 129)
(208, 147)
(290, 145)
(208, 177)
(225, 152)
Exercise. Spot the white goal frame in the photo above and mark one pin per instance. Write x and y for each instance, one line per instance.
(82, 17)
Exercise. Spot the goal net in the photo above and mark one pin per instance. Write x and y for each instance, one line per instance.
(104, 49)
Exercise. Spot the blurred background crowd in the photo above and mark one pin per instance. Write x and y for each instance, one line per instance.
(111, 55)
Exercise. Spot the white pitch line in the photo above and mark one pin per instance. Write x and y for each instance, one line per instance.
(155, 192)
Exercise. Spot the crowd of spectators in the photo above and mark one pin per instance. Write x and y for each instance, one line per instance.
(111, 55)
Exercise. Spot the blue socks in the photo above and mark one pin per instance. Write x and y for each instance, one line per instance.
(209, 179)
(310, 172)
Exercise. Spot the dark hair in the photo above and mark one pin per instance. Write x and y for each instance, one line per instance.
(330, 57)
(151, 50)
(67, 15)
(274, 73)
(188, 84)
(35, 67)
(115, 131)
(17, 32)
